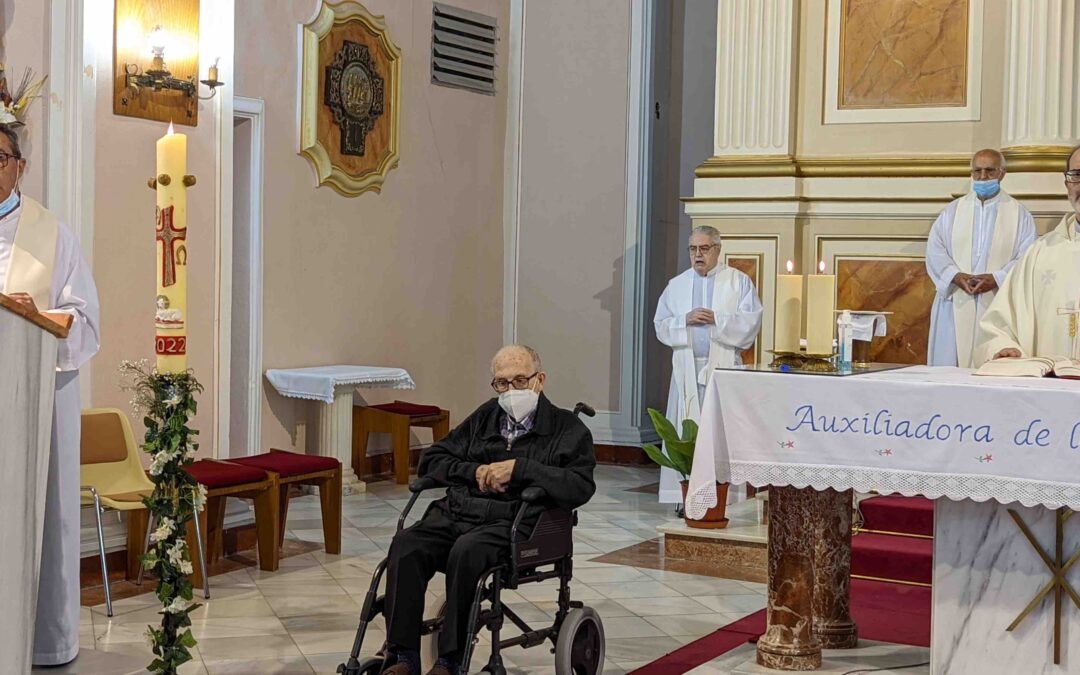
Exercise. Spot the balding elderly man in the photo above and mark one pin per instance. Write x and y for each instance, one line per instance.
(512, 442)
(972, 246)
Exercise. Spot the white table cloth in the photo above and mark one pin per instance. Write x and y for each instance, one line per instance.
(318, 383)
(930, 431)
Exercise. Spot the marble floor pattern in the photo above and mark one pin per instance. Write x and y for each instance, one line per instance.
(302, 618)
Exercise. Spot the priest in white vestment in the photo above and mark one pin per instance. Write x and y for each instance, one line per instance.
(42, 267)
(972, 246)
(708, 315)
(1036, 311)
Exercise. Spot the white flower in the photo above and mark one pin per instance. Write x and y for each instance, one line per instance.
(189, 451)
(176, 552)
(177, 605)
(198, 498)
(165, 528)
(185, 567)
(149, 635)
(7, 116)
(174, 401)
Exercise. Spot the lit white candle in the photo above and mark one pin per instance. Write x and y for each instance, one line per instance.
(171, 254)
(820, 311)
(788, 310)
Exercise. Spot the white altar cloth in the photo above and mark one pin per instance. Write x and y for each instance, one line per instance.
(318, 383)
(929, 431)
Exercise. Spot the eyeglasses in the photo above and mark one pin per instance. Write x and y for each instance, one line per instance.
(6, 157)
(702, 249)
(520, 382)
(1072, 176)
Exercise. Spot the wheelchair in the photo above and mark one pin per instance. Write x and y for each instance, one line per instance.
(576, 634)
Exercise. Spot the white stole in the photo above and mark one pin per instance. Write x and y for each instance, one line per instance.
(33, 254)
(968, 309)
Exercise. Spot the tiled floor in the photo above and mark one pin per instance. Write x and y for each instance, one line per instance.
(301, 619)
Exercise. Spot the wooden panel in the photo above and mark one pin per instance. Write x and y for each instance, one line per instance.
(902, 53)
(378, 139)
(899, 285)
(750, 266)
(134, 21)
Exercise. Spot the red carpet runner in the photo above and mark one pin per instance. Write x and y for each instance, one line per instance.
(893, 545)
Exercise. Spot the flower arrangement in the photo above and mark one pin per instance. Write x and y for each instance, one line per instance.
(14, 103)
(167, 403)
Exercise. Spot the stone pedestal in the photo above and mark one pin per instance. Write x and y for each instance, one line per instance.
(789, 642)
(833, 625)
(335, 436)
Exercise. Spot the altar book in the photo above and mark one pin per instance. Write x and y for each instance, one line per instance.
(1036, 366)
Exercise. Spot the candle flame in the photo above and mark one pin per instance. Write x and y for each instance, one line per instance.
(821, 267)
(171, 132)
(790, 267)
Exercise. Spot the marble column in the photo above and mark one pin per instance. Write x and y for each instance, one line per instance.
(1042, 92)
(335, 436)
(754, 63)
(789, 642)
(832, 570)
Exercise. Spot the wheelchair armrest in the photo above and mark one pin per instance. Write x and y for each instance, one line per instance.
(533, 495)
(421, 484)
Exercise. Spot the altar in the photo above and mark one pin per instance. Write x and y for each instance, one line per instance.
(1001, 457)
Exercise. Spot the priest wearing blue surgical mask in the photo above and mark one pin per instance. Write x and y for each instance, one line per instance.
(512, 442)
(972, 246)
(42, 267)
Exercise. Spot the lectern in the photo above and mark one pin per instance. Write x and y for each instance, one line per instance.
(27, 380)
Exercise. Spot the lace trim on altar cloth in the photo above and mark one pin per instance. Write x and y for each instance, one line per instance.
(908, 483)
(393, 383)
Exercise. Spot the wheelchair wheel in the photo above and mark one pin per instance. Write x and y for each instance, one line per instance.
(432, 641)
(579, 649)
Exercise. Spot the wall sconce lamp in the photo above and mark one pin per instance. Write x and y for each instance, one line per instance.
(158, 77)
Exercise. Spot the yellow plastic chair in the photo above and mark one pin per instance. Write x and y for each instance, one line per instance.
(112, 477)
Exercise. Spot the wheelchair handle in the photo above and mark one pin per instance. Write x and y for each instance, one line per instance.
(533, 495)
(421, 484)
(583, 407)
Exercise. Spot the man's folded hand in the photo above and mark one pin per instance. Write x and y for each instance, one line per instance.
(498, 475)
(482, 473)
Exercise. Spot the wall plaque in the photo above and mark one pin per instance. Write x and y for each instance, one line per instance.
(349, 98)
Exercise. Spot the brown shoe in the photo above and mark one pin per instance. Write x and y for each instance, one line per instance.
(398, 669)
(438, 670)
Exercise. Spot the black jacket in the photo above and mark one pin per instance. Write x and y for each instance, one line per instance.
(556, 455)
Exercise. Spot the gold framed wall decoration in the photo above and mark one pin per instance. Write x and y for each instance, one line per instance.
(350, 90)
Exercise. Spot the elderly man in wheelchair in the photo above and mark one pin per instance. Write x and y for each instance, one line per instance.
(515, 470)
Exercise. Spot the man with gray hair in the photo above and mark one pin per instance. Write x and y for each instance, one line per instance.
(510, 443)
(708, 315)
(971, 248)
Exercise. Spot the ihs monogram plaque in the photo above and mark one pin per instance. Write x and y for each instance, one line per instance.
(355, 94)
(349, 98)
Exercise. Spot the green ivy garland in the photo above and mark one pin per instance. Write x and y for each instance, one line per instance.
(167, 402)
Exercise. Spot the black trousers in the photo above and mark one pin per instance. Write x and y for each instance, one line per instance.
(439, 543)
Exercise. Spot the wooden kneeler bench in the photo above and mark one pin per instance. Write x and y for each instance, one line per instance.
(227, 479)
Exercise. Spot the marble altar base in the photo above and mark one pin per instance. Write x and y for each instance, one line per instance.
(985, 574)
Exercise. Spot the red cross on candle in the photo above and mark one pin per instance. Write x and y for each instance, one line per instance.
(168, 236)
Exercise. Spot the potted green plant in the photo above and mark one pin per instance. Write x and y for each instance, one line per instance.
(678, 455)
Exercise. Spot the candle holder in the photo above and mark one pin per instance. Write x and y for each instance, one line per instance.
(810, 363)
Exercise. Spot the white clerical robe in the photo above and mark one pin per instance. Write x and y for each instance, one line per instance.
(943, 261)
(733, 299)
(1027, 312)
(56, 635)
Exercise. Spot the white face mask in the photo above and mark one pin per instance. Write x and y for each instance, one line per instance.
(519, 403)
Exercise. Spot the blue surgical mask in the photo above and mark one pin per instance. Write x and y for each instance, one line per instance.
(986, 188)
(9, 204)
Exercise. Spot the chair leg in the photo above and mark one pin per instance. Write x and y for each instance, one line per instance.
(399, 436)
(283, 513)
(198, 520)
(146, 545)
(197, 576)
(360, 462)
(215, 525)
(330, 500)
(101, 550)
(440, 429)
(267, 522)
(137, 532)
